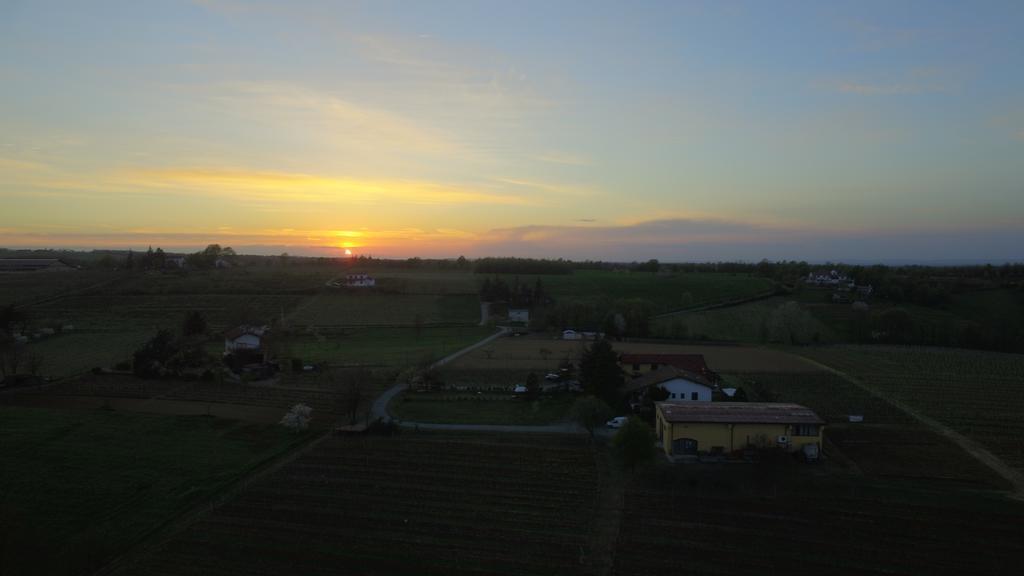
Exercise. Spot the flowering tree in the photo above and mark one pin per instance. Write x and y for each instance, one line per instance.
(297, 419)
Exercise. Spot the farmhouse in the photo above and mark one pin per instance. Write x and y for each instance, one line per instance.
(687, 428)
(359, 280)
(244, 339)
(679, 384)
(639, 364)
(570, 334)
(519, 315)
(33, 265)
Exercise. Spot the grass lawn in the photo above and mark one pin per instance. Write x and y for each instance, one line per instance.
(79, 487)
(485, 408)
(398, 346)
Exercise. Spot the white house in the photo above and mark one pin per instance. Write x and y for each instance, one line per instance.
(244, 338)
(519, 315)
(571, 334)
(359, 280)
(680, 385)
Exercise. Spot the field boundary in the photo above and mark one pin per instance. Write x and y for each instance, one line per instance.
(716, 305)
(975, 449)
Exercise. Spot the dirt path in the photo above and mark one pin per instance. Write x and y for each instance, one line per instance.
(979, 452)
(608, 512)
(380, 405)
(727, 304)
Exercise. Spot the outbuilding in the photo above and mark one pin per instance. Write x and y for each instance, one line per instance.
(689, 428)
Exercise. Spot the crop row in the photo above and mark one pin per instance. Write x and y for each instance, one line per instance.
(425, 504)
(797, 533)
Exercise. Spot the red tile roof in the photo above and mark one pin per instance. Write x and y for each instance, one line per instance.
(737, 413)
(690, 362)
(664, 374)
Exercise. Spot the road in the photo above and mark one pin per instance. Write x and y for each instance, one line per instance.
(380, 405)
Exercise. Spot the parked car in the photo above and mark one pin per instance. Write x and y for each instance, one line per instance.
(616, 422)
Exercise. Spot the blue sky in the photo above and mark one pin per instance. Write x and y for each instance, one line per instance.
(676, 130)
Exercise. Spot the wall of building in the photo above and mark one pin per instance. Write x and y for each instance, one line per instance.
(684, 389)
(732, 437)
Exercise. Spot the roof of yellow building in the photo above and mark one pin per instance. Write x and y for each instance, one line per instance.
(738, 413)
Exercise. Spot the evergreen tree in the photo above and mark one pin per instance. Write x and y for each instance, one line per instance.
(600, 374)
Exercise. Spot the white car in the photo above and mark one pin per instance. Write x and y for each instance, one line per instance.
(616, 422)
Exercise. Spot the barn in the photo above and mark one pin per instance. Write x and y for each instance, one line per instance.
(690, 428)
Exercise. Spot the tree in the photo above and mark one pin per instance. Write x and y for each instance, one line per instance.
(600, 374)
(297, 418)
(532, 386)
(351, 385)
(194, 324)
(590, 412)
(634, 443)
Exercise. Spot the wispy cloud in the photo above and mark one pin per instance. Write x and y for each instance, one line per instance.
(873, 37)
(563, 158)
(8, 165)
(290, 187)
(342, 120)
(548, 187)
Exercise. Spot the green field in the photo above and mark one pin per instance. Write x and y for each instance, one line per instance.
(665, 292)
(375, 308)
(78, 352)
(387, 346)
(480, 408)
(979, 394)
(888, 443)
(79, 487)
(747, 322)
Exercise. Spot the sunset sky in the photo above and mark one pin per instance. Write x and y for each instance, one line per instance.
(608, 130)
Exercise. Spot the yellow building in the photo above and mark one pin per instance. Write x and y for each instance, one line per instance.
(686, 428)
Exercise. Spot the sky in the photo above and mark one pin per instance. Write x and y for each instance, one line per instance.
(683, 131)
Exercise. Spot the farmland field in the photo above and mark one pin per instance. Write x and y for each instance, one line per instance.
(125, 392)
(75, 353)
(78, 487)
(413, 504)
(353, 308)
(480, 408)
(888, 443)
(665, 292)
(387, 346)
(26, 288)
(979, 394)
(524, 353)
(779, 520)
(742, 323)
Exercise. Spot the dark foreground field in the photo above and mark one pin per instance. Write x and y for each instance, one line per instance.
(79, 487)
(485, 504)
(414, 504)
(769, 519)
